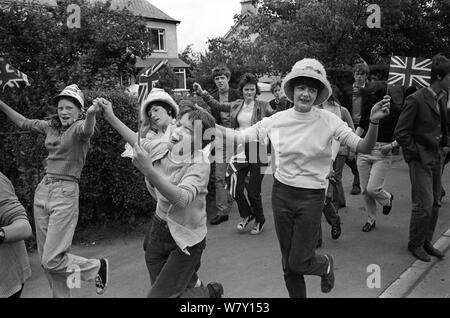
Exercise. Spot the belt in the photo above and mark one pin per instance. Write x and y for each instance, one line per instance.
(52, 179)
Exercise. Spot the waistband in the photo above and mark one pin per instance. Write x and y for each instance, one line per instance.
(158, 220)
(48, 178)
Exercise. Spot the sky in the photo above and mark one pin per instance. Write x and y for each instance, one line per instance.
(200, 19)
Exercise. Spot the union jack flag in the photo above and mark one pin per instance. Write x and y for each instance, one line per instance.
(11, 77)
(148, 79)
(409, 71)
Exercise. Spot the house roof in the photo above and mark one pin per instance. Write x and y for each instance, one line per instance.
(174, 62)
(142, 8)
(137, 7)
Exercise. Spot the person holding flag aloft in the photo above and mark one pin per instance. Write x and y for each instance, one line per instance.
(421, 130)
(55, 207)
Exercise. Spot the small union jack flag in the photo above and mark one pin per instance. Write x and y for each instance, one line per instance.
(11, 77)
(148, 79)
(409, 71)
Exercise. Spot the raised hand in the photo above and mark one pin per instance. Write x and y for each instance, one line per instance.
(106, 106)
(95, 107)
(380, 109)
(198, 89)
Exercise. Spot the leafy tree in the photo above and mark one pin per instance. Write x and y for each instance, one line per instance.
(37, 41)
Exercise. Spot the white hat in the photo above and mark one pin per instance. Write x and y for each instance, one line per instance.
(311, 68)
(157, 95)
(71, 91)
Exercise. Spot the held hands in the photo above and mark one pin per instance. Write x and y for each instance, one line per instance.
(141, 160)
(106, 106)
(380, 109)
(386, 149)
(94, 108)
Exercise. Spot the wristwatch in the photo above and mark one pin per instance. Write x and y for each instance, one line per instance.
(2, 235)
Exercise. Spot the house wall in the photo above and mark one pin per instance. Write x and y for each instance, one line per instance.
(171, 39)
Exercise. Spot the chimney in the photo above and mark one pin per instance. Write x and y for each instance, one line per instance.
(248, 6)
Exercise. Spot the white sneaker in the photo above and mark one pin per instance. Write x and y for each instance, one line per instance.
(243, 224)
(257, 228)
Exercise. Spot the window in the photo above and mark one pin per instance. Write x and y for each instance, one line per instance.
(181, 78)
(157, 40)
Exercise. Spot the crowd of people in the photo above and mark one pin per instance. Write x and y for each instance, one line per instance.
(310, 130)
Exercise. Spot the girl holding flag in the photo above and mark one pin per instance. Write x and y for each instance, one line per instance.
(55, 208)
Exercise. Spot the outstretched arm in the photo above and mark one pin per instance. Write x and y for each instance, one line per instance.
(239, 136)
(89, 123)
(16, 118)
(210, 101)
(127, 134)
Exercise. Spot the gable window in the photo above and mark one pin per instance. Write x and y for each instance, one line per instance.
(157, 40)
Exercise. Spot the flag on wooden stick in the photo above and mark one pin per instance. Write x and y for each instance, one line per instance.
(11, 77)
(409, 71)
(147, 81)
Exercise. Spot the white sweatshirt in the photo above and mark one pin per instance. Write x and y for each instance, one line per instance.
(302, 144)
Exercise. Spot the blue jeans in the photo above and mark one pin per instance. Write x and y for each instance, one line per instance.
(173, 273)
(425, 197)
(297, 214)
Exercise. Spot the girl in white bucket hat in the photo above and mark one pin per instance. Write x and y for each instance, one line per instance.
(56, 197)
(301, 137)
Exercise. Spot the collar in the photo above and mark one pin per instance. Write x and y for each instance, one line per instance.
(437, 96)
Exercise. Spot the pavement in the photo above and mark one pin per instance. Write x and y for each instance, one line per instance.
(367, 265)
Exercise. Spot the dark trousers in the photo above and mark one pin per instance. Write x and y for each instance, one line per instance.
(297, 213)
(425, 197)
(254, 203)
(354, 168)
(173, 273)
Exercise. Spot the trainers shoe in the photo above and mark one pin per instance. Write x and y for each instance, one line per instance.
(243, 224)
(356, 189)
(369, 226)
(336, 230)
(101, 281)
(215, 290)
(258, 227)
(387, 208)
(327, 282)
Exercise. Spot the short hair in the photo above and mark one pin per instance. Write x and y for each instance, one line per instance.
(440, 66)
(308, 81)
(248, 78)
(197, 113)
(274, 85)
(361, 67)
(221, 70)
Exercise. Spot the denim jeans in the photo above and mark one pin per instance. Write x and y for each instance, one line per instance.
(297, 213)
(353, 166)
(373, 169)
(173, 273)
(55, 217)
(425, 196)
(224, 200)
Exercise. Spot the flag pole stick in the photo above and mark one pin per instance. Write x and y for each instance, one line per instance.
(139, 126)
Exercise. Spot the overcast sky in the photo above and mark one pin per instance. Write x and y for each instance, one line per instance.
(200, 19)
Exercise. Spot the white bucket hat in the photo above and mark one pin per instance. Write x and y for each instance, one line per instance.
(311, 68)
(157, 95)
(72, 91)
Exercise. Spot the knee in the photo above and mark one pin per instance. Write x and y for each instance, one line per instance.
(51, 264)
(298, 266)
(372, 191)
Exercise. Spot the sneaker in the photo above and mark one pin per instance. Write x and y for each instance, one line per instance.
(336, 230)
(215, 290)
(387, 208)
(327, 282)
(243, 224)
(356, 189)
(258, 227)
(369, 226)
(101, 281)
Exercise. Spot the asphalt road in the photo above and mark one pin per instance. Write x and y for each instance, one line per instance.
(250, 266)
